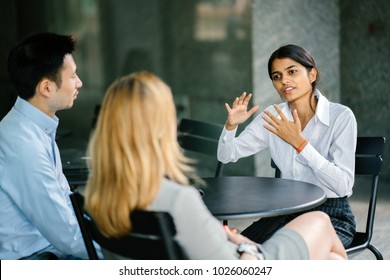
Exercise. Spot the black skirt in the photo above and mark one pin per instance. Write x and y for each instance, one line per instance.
(338, 209)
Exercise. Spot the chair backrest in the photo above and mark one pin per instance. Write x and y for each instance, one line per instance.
(368, 162)
(152, 236)
(200, 137)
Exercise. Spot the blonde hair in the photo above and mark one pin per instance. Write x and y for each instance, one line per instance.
(132, 148)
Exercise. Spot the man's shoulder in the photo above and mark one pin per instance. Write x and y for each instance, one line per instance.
(19, 140)
(17, 128)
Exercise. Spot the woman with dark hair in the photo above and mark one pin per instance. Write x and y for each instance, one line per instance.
(309, 138)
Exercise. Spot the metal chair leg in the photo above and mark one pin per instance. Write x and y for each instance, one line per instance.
(375, 251)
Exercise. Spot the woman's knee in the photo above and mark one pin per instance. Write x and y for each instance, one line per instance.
(311, 222)
(320, 219)
(320, 216)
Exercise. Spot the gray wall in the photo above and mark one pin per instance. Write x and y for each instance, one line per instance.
(365, 67)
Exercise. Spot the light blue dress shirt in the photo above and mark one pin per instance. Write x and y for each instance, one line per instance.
(35, 209)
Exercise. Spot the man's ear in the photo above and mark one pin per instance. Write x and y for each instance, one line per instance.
(45, 87)
(313, 75)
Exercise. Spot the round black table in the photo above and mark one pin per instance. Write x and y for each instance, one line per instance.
(238, 197)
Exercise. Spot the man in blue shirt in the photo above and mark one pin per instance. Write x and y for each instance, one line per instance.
(36, 215)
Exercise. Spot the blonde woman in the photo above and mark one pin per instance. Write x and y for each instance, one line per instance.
(136, 163)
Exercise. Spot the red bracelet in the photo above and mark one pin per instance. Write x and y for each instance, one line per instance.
(303, 145)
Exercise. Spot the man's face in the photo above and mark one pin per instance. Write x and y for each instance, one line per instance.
(70, 85)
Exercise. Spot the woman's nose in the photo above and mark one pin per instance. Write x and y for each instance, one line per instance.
(286, 80)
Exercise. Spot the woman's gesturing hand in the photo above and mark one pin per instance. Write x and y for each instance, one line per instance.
(289, 131)
(239, 113)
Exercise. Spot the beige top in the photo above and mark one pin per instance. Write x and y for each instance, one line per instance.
(200, 234)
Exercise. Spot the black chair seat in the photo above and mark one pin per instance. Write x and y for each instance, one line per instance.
(359, 240)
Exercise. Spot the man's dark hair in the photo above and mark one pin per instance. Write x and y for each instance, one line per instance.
(37, 56)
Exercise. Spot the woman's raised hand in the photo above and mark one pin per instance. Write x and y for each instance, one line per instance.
(239, 113)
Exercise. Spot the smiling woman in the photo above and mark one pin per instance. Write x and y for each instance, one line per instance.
(309, 138)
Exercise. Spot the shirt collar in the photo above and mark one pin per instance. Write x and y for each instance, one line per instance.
(46, 123)
(322, 110)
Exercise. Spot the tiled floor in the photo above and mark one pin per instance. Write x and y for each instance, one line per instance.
(381, 236)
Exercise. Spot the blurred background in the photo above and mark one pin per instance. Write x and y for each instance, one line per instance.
(209, 52)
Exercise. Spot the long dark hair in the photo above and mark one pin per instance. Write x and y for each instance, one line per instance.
(298, 54)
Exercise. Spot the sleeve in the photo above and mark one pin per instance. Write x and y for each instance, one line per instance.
(252, 140)
(336, 170)
(200, 234)
(46, 203)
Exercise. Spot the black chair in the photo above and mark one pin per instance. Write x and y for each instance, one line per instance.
(152, 236)
(369, 151)
(368, 162)
(277, 170)
(200, 137)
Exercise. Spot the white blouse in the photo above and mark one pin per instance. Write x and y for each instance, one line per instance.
(328, 160)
